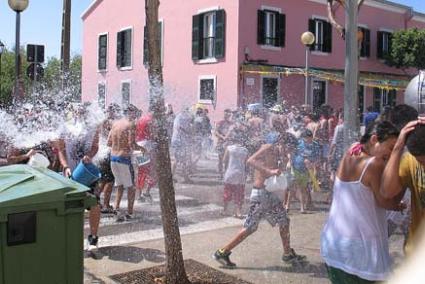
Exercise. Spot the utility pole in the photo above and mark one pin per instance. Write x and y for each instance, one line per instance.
(66, 41)
(351, 123)
(175, 271)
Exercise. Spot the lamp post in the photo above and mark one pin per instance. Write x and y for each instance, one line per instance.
(1, 52)
(307, 39)
(18, 6)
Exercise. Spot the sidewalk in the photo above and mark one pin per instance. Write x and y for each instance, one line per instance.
(258, 257)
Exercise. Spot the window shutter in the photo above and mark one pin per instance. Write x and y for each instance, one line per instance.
(327, 37)
(196, 37)
(119, 49)
(380, 53)
(261, 29)
(377, 97)
(312, 28)
(365, 51)
(127, 48)
(220, 32)
(281, 30)
(145, 46)
(390, 43)
(102, 52)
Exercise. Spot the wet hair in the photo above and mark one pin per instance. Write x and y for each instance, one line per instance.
(382, 129)
(402, 114)
(325, 111)
(130, 110)
(306, 133)
(290, 140)
(273, 137)
(415, 141)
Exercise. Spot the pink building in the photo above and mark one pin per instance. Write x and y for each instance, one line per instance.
(227, 54)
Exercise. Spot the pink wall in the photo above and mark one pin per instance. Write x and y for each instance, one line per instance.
(181, 74)
(293, 54)
(179, 69)
(416, 24)
(297, 22)
(105, 19)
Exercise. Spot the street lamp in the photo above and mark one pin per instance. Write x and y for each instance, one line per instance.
(307, 39)
(18, 6)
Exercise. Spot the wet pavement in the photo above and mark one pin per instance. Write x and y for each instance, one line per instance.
(138, 243)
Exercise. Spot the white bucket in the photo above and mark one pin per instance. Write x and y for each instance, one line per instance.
(277, 185)
(39, 161)
(140, 158)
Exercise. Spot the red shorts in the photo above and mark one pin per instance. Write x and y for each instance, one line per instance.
(235, 192)
(146, 176)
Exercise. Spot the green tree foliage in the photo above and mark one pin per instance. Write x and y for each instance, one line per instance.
(7, 76)
(54, 81)
(50, 84)
(407, 50)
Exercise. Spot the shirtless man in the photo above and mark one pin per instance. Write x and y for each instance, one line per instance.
(263, 204)
(122, 142)
(221, 131)
(255, 130)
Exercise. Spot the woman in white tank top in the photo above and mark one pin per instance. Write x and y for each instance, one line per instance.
(354, 241)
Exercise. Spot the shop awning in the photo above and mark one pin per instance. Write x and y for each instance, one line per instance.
(368, 79)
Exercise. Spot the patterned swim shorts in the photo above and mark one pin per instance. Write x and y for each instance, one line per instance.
(265, 205)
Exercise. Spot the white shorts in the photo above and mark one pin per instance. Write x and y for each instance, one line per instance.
(123, 174)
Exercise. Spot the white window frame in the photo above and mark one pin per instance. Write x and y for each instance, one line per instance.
(319, 52)
(162, 46)
(262, 85)
(364, 26)
(271, 8)
(270, 26)
(106, 93)
(127, 68)
(209, 31)
(121, 94)
(107, 52)
(207, 77)
(312, 89)
(210, 60)
(387, 31)
(266, 9)
(209, 9)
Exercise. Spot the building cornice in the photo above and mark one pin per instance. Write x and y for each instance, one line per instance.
(90, 8)
(419, 17)
(380, 4)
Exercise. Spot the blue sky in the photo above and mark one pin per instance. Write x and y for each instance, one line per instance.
(41, 23)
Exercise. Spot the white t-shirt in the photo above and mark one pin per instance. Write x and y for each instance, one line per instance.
(235, 172)
(182, 129)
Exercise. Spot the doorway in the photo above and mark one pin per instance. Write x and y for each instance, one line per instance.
(270, 89)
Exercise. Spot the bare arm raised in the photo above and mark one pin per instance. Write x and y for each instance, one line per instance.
(391, 184)
(256, 161)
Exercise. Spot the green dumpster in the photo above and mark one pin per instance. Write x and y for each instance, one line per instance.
(41, 226)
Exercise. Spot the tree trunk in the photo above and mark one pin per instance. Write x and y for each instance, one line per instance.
(351, 121)
(175, 271)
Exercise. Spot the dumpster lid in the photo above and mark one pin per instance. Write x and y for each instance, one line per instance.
(35, 185)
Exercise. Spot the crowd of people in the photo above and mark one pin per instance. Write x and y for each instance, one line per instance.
(298, 148)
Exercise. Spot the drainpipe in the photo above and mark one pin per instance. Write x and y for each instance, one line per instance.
(408, 16)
